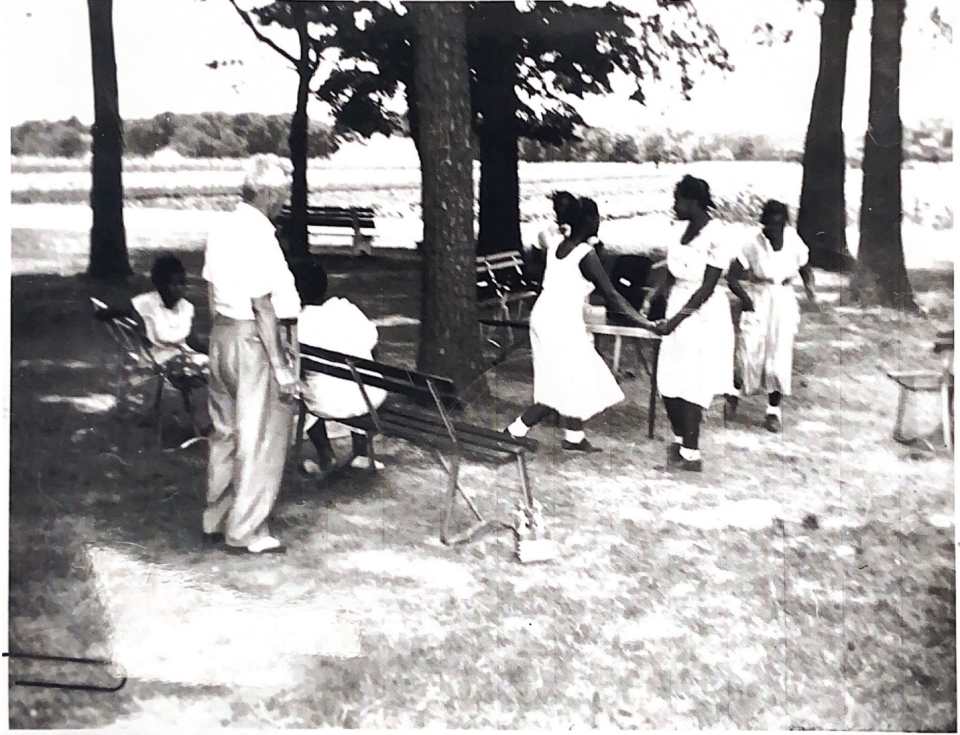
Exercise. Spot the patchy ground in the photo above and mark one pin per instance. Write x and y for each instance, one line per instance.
(803, 581)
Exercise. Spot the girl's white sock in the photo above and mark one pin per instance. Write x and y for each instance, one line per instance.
(677, 439)
(518, 429)
(574, 437)
(774, 411)
(690, 455)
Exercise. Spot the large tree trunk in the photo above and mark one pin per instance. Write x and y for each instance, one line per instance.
(822, 219)
(296, 226)
(449, 330)
(497, 103)
(108, 240)
(881, 276)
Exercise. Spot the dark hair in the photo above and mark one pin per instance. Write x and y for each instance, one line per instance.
(771, 208)
(566, 206)
(690, 187)
(311, 281)
(165, 267)
(586, 208)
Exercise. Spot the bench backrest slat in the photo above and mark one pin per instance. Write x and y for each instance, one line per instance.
(376, 374)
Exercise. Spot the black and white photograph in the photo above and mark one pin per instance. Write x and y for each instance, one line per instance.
(509, 364)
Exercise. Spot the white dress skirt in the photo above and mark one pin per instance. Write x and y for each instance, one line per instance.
(569, 375)
(696, 359)
(765, 344)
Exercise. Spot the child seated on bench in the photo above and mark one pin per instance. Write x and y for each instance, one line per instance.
(333, 324)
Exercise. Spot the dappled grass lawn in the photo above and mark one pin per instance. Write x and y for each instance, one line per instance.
(802, 581)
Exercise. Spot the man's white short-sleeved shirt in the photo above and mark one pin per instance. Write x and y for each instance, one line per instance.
(243, 261)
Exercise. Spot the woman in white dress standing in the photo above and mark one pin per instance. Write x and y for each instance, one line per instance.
(696, 354)
(770, 263)
(569, 376)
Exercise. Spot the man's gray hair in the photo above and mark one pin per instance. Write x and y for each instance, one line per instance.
(264, 176)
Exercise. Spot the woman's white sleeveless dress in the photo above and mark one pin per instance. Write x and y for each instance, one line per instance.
(568, 373)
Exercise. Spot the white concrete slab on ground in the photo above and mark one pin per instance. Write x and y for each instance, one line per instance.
(168, 626)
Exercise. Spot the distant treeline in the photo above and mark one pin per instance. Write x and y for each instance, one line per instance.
(932, 141)
(207, 135)
(218, 135)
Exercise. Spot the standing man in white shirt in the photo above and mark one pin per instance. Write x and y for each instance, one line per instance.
(253, 367)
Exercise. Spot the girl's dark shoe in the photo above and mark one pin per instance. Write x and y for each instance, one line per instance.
(581, 446)
(772, 423)
(212, 539)
(673, 454)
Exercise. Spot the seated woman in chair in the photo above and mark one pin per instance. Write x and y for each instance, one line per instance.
(166, 319)
(333, 324)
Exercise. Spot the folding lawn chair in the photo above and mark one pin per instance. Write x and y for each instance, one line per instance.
(137, 367)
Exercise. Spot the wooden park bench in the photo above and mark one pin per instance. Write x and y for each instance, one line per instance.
(356, 219)
(434, 428)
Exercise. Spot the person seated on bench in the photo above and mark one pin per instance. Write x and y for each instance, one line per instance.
(336, 324)
(569, 376)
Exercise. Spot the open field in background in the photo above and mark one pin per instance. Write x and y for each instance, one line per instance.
(623, 190)
(186, 197)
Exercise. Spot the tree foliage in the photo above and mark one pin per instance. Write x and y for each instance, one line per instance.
(525, 70)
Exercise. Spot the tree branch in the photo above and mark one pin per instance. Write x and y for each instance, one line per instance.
(246, 19)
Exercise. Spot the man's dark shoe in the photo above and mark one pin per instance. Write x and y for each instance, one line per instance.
(691, 465)
(212, 539)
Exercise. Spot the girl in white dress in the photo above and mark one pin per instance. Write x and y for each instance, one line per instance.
(569, 376)
(771, 313)
(696, 354)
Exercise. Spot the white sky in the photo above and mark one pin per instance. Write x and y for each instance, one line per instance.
(162, 49)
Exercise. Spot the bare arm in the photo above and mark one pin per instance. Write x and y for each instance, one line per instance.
(736, 285)
(269, 333)
(592, 270)
(711, 277)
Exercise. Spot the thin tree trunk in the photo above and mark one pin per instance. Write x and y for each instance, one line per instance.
(296, 228)
(497, 103)
(881, 276)
(449, 331)
(108, 241)
(822, 219)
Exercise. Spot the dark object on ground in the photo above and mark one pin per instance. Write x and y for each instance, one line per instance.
(810, 523)
(44, 684)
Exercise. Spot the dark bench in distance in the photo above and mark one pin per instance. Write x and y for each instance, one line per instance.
(356, 219)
